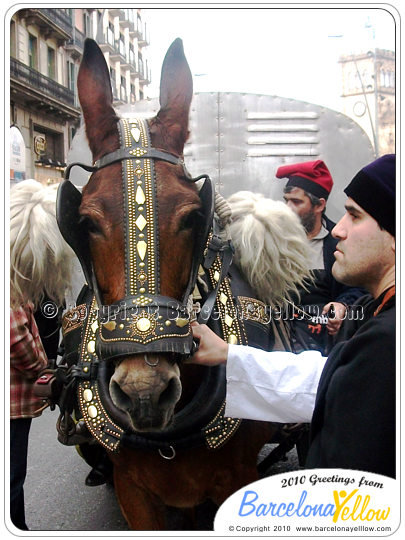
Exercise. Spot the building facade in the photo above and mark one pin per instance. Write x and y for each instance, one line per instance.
(46, 46)
(368, 92)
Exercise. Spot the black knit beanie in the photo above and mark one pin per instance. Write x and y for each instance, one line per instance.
(373, 188)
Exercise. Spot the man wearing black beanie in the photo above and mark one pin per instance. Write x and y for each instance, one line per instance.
(349, 397)
(355, 403)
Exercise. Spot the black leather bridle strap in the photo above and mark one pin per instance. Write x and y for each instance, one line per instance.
(128, 153)
(87, 168)
(125, 153)
(225, 251)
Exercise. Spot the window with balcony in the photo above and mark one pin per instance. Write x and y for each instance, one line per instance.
(70, 75)
(86, 25)
(51, 63)
(110, 34)
(121, 45)
(133, 94)
(139, 23)
(32, 51)
(140, 64)
(123, 90)
(146, 73)
(13, 42)
(131, 54)
(71, 81)
(113, 81)
(99, 19)
(129, 15)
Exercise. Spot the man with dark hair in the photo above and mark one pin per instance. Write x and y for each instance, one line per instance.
(350, 395)
(306, 193)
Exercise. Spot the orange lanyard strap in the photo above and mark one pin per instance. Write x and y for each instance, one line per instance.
(389, 294)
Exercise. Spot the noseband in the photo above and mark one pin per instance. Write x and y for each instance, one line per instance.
(144, 321)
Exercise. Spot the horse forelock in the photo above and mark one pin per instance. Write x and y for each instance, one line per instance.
(271, 246)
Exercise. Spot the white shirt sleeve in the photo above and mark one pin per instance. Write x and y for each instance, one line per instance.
(272, 386)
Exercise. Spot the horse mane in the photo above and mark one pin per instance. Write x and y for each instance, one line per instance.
(40, 260)
(271, 247)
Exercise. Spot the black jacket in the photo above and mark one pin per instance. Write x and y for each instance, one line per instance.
(312, 334)
(353, 424)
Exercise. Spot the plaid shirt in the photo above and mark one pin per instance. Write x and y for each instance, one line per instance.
(27, 359)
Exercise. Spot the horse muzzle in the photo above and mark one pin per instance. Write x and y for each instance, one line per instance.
(146, 391)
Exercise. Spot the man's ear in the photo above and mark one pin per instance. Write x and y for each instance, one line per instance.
(320, 208)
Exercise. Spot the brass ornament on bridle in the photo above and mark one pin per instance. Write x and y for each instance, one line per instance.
(146, 319)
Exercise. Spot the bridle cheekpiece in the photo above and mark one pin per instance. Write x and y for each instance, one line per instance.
(143, 321)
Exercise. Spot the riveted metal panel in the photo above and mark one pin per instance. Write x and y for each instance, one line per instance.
(202, 150)
(241, 139)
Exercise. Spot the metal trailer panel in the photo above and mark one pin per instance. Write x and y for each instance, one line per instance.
(241, 139)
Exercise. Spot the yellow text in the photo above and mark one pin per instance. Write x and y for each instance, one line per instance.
(356, 508)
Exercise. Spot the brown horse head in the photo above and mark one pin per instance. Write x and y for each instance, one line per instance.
(145, 386)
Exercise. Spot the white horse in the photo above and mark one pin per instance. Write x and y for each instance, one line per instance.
(271, 247)
(40, 260)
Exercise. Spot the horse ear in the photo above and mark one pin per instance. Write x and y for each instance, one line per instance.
(176, 92)
(94, 89)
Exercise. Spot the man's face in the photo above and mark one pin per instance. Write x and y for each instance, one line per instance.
(364, 253)
(302, 206)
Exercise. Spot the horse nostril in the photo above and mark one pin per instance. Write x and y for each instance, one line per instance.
(119, 397)
(170, 394)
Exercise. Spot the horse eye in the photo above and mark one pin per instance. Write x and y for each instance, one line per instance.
(90, 225)
(190, 220)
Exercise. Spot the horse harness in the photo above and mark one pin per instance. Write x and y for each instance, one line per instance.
(145, 321)
(133, 321)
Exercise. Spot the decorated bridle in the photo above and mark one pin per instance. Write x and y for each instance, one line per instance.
(143, 321)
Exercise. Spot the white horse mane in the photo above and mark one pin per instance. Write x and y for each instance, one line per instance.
(40, 260)
(271, 247)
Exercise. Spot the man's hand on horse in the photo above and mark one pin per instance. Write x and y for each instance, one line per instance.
(212, 350)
